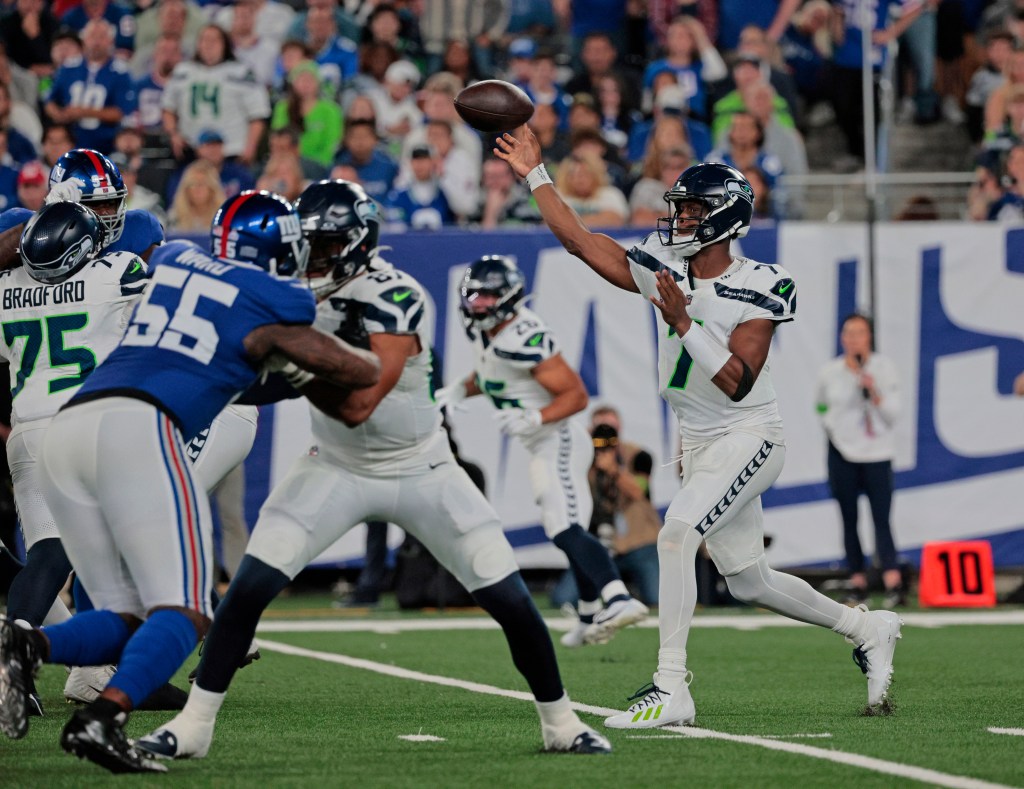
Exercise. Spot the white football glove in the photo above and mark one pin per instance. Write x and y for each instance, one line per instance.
(517, 421)
(291, 372)
(69, 191)
(451, 396)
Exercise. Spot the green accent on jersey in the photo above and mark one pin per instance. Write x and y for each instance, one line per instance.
(135, 267)
(681, 375)
(534, 341)
(785, 287)
(822, 407)
(492, 388)
(397, 297)
(203, 93)
(54, 327)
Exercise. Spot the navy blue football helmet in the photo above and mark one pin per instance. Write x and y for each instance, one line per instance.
(342, 224)
(260, 228)
(59, 240)
(728, 205)
(102, 186)
(494, 276)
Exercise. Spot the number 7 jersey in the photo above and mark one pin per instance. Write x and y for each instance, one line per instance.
(746, 291)
(53, 336)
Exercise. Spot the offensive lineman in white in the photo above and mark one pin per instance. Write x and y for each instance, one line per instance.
(519, 366)
(713, 371)
(390, 461)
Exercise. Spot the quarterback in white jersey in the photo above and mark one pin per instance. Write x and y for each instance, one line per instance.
(720, 314)
(390, 461)
(520, 368)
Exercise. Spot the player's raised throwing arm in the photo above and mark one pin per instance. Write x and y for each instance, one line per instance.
(603, 254)
(321, 354)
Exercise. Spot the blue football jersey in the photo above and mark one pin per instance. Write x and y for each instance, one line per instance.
(141, 229)
(184, 349)
(76, 84)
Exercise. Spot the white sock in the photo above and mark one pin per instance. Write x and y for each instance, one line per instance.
(202, 705)
(671, 669)
(556, 714)
(853, 623)
(614, 589)
(58, 613)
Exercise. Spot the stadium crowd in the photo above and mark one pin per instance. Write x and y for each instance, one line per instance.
(197, 100)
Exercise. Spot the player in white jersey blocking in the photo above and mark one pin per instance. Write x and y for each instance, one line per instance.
(520, 367)
(713, 371)
(388, 459)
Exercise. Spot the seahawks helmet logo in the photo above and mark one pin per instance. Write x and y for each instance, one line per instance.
(739, 188)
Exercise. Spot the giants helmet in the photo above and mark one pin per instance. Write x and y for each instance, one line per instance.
(494, 276)
(103, 189)
(59, 240)
(260, 228)
(728, 202)
(342, 224)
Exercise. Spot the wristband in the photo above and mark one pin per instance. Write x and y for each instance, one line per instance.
(295, 375)
(705, 350)
(538, 176)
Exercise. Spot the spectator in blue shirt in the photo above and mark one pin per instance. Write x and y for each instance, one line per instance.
(148, 90)
(337, 57)
(118, 16)
(234, 177)
(691, 56)
(361, 151)
(421, 205)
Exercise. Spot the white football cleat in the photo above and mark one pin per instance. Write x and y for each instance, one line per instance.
(657, 707)
(608, 621)
(177, 739)
(874, 656)
(85, 683)
(585, 741)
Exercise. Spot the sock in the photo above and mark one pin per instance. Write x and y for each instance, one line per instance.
(510, 605)
(671, 669)
(587, 609)
(34, 589)
(252, 589)
(852, 624)
(58, 613)
(81, 597)
(558, 713)
(154, 653)
(589, 560)
(613, 591)
(202, 705)
(94, 638)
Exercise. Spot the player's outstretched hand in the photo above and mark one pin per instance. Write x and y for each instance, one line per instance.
(451, 396)
(516, 421)
(69, 191)
(672, 303)
(522, 151)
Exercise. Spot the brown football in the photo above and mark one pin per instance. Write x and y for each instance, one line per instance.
(494, 106)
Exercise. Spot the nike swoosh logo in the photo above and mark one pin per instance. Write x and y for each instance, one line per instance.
(135, 267)
(783, 290)
(535, 341)
(435, 465)
(401, 296)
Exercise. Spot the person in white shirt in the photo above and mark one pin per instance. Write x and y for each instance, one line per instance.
(858, 401)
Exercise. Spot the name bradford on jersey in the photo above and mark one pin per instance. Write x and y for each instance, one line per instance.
(43, 295)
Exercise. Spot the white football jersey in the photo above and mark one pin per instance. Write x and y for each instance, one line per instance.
(55, 335)
(746, 291)
(504, 365)
(407, 419)
(225, 97)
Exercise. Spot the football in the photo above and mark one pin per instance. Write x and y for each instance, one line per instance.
(494, 106)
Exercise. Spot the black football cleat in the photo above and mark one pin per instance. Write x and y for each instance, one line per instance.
(100, 739)
(18, 665)
(166, 698)
(590, 742)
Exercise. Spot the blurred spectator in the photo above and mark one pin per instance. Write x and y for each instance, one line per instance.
(506, 201)
(754, 41)
(458, 59)
(374, 60)
(231, 176)
(93, 94)
(139, 197)
(387, 25)
(668, 133)
(303, 108)
(273, 19)
(250, 48)
(148, 90)
(27, 34)
(23, 84)
(599, 57)
(337, 57)
(57, 141)
(781, 142)
(847, 98)
(660, 14)
(616, 118)
(397, 113)
(806, 48)
(128, 147)
(214, 91)
(32, 185)
(592, 142)
(347, 25)
(661, 169)
(919, 208)
(282, 174)
(583, 183)
(118, 16)
(482, 23)
(197, 199)
(771, 16)
(746, 71)
(743, 148)
(554, 143)
(459, 176)
(286, 141)
(986, 190)
(8, 176)
(181, 19)
(694, 61)
(918, 41)
(583, 113)
(375, 169)
(543, 88)
(520, 61)
(989, 76)
(995, 107)
(1012, 132)
(669, 101)
(293, 52)
(533, 18)
(439, 93)
(1009, 209)
(601, 16)
(764, 196)
(422, 204)
(20, 147)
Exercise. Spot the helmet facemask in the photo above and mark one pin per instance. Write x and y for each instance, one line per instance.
(111, 210)
(335, 258)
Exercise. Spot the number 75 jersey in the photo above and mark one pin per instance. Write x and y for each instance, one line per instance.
(53, 336)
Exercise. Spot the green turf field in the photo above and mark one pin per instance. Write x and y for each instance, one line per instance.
(299, 721)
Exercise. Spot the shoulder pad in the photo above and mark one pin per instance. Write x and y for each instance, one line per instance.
(393, 302)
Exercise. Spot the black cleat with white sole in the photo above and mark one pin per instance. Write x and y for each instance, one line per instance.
(18, 665)
(100, 739)
(590, 742)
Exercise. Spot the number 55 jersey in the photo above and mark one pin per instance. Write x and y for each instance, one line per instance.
(53, 336)
(184, 349)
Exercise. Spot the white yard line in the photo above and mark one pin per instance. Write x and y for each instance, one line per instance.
(755, 621)
(922, 774)
(1013, 732)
